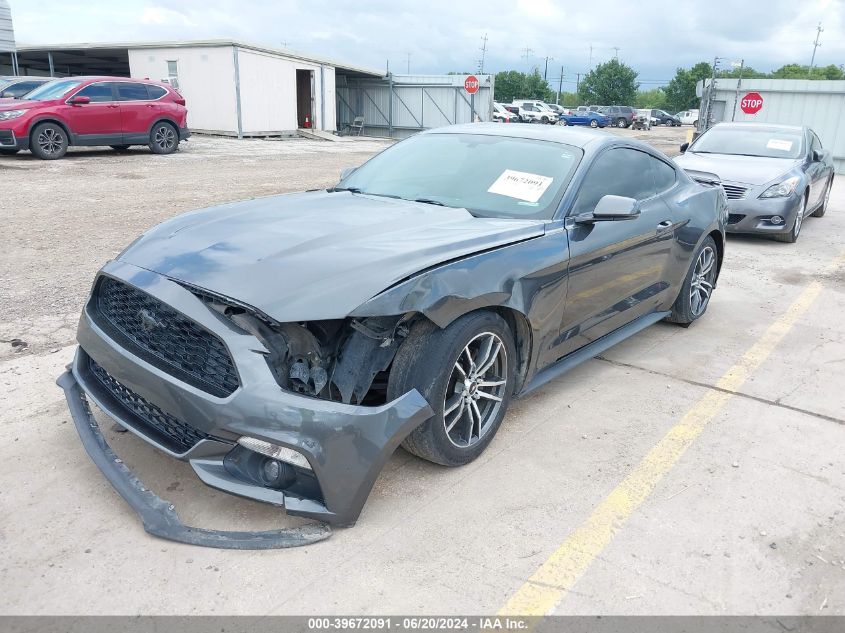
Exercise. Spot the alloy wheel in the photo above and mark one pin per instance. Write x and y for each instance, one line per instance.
(703, 277)
(51, 140)
(475, 390)
(164, 137)
(799, 218)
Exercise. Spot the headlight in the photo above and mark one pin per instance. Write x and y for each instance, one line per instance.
(782, 189)
(11, 114)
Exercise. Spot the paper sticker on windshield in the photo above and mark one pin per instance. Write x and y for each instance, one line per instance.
(776, 143)
(521, 185)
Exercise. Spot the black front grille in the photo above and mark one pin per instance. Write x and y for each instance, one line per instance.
(163, 337)
(175, 434)
(733, 218)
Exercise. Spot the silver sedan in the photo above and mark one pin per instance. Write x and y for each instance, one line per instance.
(773, 175)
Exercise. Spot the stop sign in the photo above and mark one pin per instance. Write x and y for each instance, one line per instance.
(471, 84)
(751, 103)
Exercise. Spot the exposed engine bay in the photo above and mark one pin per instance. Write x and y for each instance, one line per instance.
(343, 360)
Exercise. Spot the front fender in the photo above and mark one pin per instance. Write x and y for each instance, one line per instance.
(520, 276)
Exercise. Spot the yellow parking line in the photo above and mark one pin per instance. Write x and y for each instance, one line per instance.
(549, 584)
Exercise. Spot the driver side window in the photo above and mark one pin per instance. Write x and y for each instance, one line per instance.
(98, 93)
(619, 172)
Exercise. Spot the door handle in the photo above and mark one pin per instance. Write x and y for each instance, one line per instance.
(666, 224)
(113, 106)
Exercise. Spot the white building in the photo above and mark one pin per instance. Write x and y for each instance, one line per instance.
(231, 87)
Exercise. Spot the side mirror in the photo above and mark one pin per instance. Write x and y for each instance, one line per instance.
(611, 208)
(344, 174)
(818, 156)
(684, 147)
(79, 100)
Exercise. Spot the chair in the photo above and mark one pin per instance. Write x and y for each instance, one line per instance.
(357, 124)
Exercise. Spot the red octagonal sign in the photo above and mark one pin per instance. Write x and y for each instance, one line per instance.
(751, 103)
(471, 84)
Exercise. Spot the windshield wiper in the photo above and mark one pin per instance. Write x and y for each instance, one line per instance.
(430, 201)
(349, 189)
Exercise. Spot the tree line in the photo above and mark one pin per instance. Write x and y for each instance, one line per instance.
(615, 83)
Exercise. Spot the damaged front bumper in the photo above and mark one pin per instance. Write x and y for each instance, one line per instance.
(345, 446)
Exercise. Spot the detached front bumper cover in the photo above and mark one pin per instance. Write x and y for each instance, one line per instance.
(158, 515)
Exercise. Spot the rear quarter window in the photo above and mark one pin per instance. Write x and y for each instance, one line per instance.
(156, 92)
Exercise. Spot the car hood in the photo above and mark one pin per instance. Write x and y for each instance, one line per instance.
(315, 255)
(749, 170)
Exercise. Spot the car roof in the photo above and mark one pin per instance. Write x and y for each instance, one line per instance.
(94, 78)
(568, 135)
(771, 127)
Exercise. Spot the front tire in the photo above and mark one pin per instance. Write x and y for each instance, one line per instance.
(49, 141)
(792, 236)
(823, 208)
(594, 123)
(164, 138)
(466, 373)
(698, 285)
(621, 123)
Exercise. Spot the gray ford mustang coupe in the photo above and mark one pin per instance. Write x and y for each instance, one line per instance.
(773, 175)
(285, 346)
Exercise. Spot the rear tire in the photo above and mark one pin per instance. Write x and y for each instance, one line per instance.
(621, 123)
(823, 208)
(466, 373)
(594, 123)
(49, 141)
(164, 138)
(698, 286)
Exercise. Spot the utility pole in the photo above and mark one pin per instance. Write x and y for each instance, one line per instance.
(738, 84)
(546, 71)
(408, 58)
(704, 117)
(591, 57)
(559, 85)
(483, 54)
(816, 44)
(527, 53)
(616, 53)
(577, 82)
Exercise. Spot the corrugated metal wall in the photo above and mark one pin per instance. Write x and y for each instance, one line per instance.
(7, 33)
(819, 105)
(402, 105)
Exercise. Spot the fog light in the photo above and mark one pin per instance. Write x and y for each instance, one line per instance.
(273, 451)
(776, 219)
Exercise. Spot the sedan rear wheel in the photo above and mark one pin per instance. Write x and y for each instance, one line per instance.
(594, 123)
(698, 286)
(466, 373)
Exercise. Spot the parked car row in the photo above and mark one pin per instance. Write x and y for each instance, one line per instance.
(93, 111)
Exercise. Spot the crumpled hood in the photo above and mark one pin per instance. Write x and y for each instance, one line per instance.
(749, 170)
(316, 255)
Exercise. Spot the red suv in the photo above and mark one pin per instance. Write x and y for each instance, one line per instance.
(113, 111)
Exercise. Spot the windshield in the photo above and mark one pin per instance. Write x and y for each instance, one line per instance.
(764, 141)
(52, 90)
(490, 176)
(4, 83)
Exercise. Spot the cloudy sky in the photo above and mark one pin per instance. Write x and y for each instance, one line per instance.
(653, 36)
